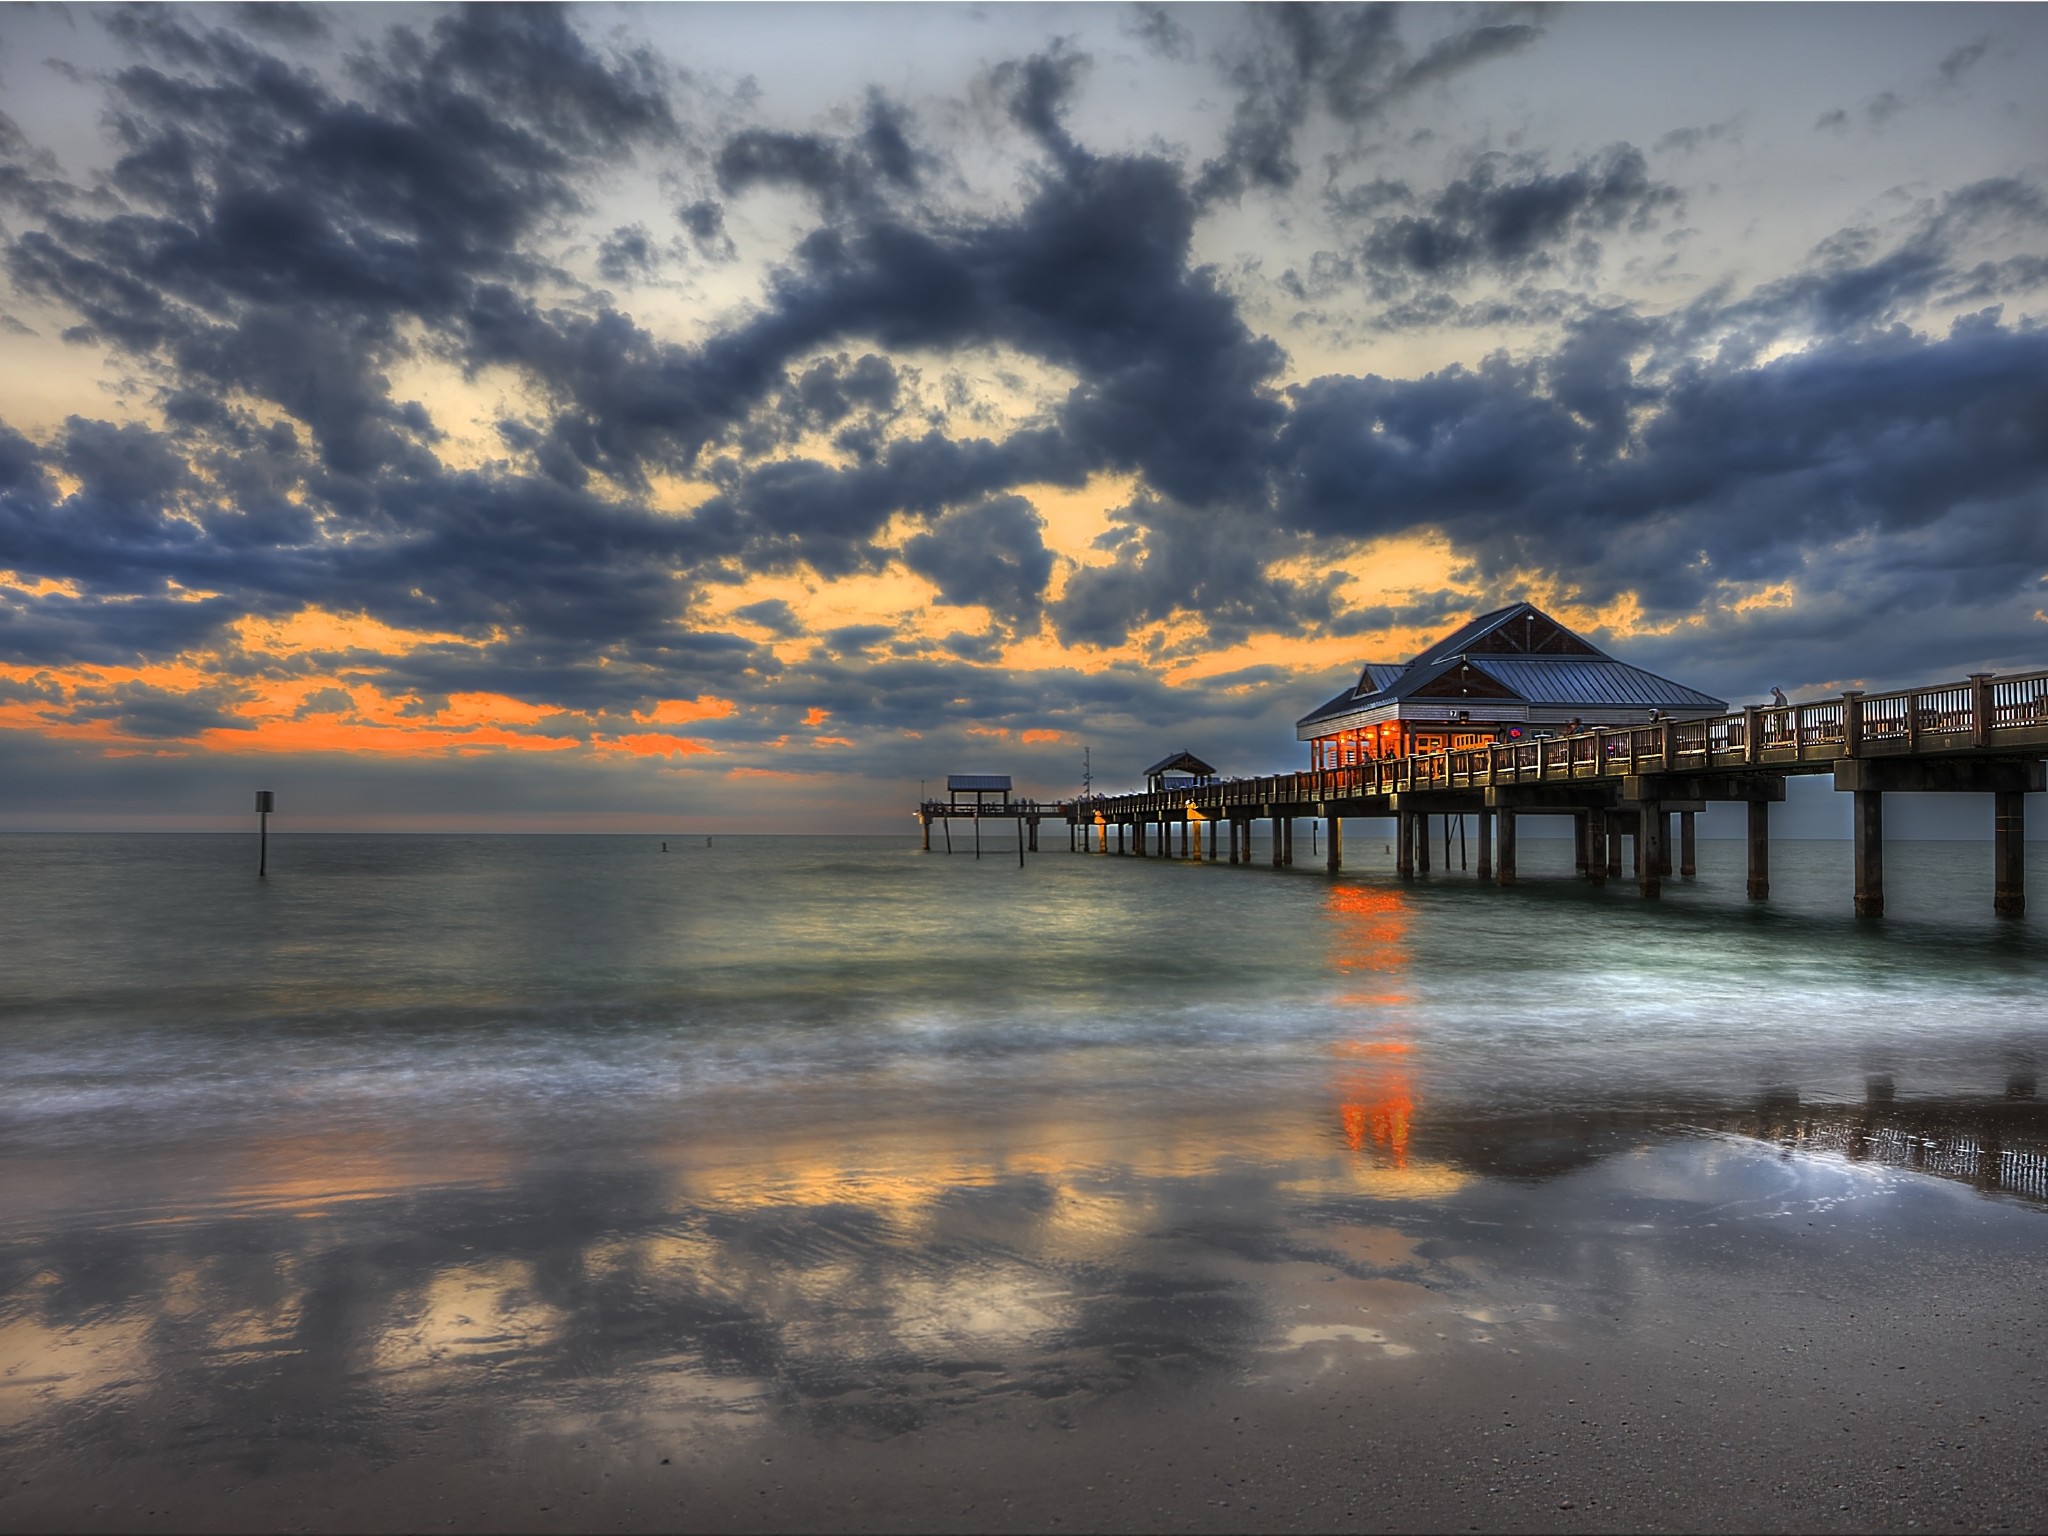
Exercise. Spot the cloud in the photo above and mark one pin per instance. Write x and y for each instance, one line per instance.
(961, 382)
(991, 555)
(1510, 214)
(1349, 61)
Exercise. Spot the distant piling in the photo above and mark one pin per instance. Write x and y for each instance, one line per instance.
(266, 802)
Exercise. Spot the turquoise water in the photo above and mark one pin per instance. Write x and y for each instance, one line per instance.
(810, 1125)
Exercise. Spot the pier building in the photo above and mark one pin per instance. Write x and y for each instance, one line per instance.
(1508, 675)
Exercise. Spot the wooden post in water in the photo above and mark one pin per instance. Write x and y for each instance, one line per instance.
(947, 823)
(1505, 874)
(1404, 843)
(1020, 840)
(1212, 842)
(1688, 849)
(1759, 850)
(1868, 816)
(2009, 853)
(977, 830)
(1485, 844)
(1336, 845)
(1287, 841)
(1596, 846)
(266, 802)
(926, 818)
(1235, 823)
(1616, 824)
(1652, 857)
(1279, 852)
(1581, 834)
(1422, 843)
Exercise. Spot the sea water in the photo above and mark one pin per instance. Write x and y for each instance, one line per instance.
(836, 1126)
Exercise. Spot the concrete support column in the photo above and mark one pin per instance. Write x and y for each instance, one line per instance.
(1336, 855)
(1617, 824)
(2009, 853)
(1581, 841)
(1212, 842)
(1278, 849)
(1287, 841)
(1652, 857)
(1688, 846)
(1759, 850)
(1234, 825)
(1596, 847)
(1869, 820)
(1485, 844)
(1404, 843)
(1184, 837)
(1506, 873)
(1422, 843)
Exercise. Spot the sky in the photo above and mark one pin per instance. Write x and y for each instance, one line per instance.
(731, 418)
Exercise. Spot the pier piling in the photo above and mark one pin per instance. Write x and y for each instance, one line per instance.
(2009, 843)
(1868, 816)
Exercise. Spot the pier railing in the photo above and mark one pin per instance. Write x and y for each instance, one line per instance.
(1981, 714)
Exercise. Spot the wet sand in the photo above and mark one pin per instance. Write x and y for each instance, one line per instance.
(1701, 1334)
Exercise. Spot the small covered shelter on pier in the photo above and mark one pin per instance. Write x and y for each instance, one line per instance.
(979, 785)
(1508, 675)
(1179, 771)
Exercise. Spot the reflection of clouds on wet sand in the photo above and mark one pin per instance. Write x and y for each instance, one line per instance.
(865, 1282)
(770, 1263)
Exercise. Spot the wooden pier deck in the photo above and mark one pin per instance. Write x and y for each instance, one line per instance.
(1986, 734)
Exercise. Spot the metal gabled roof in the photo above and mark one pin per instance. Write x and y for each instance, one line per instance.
(1579, 682)
(1577, 675)
(1180, 762)
(1456, 641)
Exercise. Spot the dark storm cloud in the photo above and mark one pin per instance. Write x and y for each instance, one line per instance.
(627, 254)
(1092, 275)
(1737, 473)
(1857, 281)
(1154, 26)
(141, 710)
(265, 222)
(1172, 559)
(704, 221)
(1350, 61)
(989, 555)
(1511, 214)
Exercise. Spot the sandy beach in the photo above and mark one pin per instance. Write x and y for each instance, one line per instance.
(1807, 1346)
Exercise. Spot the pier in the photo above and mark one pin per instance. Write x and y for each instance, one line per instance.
(1986, 734)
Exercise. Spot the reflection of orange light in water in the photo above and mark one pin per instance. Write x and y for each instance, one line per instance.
(1371, 928)
(1381, 1117)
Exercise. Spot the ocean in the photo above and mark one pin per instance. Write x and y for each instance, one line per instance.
(837, 1133)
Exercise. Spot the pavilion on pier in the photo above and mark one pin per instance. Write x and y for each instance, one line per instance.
(1508, 675)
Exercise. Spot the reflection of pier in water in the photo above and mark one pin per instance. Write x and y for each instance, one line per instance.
(1988, 1143)
(1993, 1145)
